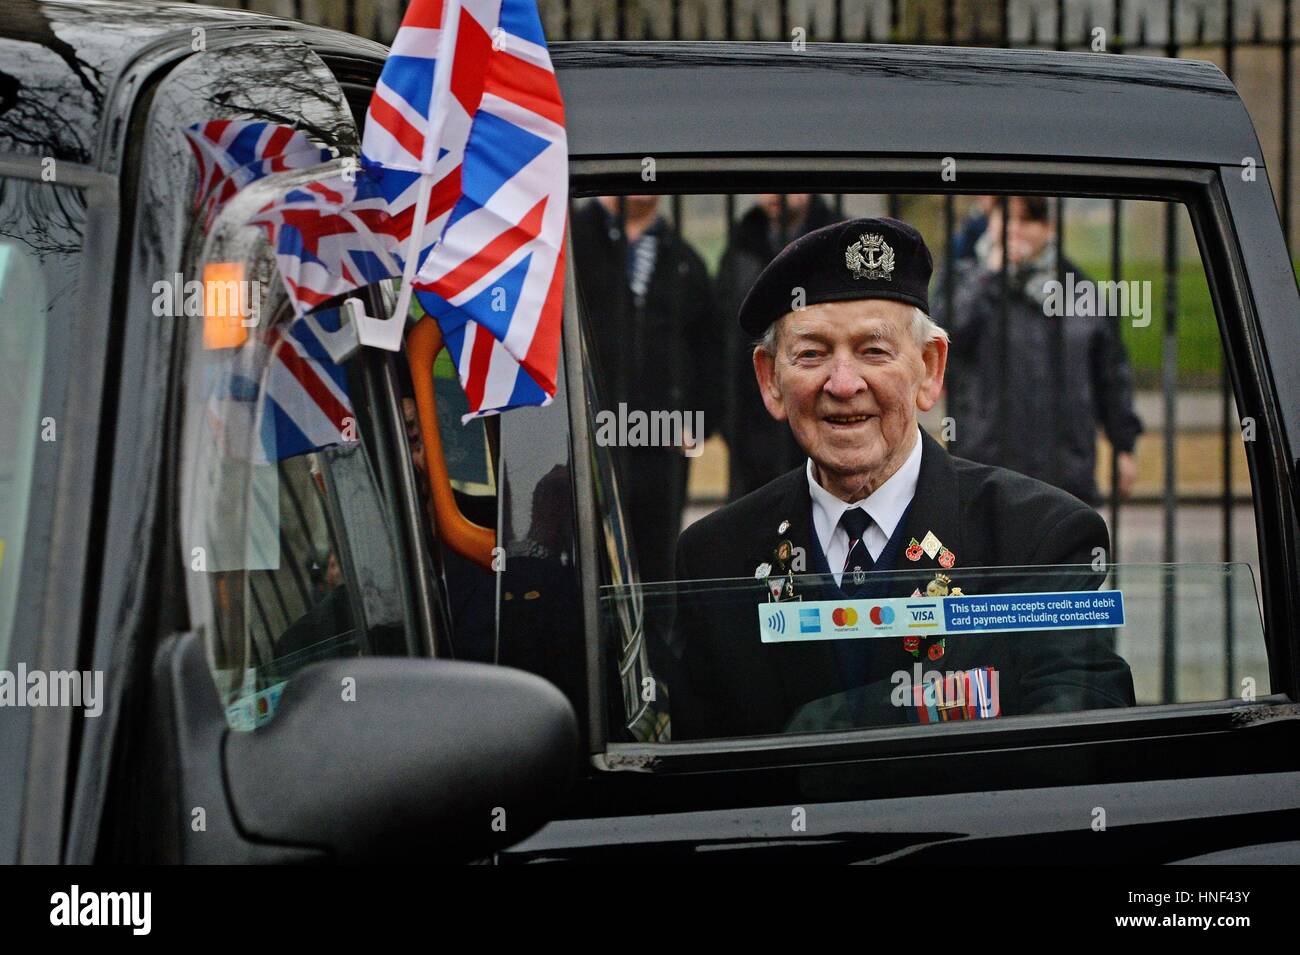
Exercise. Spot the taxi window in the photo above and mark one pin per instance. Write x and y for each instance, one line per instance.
(42, 232)
(40, 265)
(23, 306)
(1084, 432)
(290, 547)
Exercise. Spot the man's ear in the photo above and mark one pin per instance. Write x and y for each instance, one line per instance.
(935, 356)
(765, 372)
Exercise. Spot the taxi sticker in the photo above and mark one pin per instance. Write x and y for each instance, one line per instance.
(940, 616)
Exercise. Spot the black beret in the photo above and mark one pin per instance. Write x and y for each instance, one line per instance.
(854, 259)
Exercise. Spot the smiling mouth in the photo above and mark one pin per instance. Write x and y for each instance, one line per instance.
(845, 420)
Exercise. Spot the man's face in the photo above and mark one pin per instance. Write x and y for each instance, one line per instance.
(1026, 238)
(634, 207)
(796, 204)
(849, 378)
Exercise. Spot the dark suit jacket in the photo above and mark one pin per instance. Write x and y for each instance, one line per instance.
(731, 684)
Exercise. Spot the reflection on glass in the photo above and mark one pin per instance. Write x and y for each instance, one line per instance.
(982, 644)
(41, 230)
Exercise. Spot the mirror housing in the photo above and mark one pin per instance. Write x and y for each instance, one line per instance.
(386, 759)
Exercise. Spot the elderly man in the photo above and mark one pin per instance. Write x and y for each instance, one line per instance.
(846, 356)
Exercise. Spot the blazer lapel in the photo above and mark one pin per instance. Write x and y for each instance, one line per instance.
(805, 670)
(935, 510)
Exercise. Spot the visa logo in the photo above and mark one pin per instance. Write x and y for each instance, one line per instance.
(922, 616)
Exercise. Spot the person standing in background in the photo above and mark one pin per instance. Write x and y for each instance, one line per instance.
(651, 313)
(760, 448)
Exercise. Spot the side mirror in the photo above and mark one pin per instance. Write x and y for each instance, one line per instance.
(433, 759)
(421, 760)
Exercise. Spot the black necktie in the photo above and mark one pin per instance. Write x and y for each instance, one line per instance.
(856, 521)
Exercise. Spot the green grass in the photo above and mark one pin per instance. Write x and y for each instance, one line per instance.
(1200, 349)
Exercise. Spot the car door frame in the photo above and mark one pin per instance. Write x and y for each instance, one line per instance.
(1023, 751)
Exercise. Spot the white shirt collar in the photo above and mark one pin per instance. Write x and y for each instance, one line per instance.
(886, 505)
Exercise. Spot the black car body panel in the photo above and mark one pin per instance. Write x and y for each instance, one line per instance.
(643, 99)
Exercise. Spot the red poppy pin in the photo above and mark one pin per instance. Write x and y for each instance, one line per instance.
(914, 550)
(912, 644)
(947, 558)
(935, 651)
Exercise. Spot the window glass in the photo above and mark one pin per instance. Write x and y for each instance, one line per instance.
(42, 230)
(291, 547)
(1083, 422)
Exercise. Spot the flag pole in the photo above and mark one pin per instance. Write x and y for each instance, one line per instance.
(413, 251)
(388, 334)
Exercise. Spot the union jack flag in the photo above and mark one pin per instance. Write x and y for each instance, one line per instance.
(331, 236)
(230, 154)
(466, 135)
(282, 395)
(307, 405)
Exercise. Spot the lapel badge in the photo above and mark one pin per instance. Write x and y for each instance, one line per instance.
(938, 587)
(859, 576)
(763, 571)
(785, 526)
(783, 553)
(947, 558)
(930, 544)
(914, 550)
(870, 257)
(781, 588)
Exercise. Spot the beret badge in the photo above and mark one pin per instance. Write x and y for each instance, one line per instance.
(870, 257)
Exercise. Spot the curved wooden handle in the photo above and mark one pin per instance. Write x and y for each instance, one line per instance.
(460, 533)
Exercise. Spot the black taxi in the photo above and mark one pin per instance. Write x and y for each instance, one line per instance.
(455, 641)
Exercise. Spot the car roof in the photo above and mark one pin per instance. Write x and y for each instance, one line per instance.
(61, 60)
(656, 98)
(661, 98)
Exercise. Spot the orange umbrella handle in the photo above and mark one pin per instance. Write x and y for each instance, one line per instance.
(458, 532)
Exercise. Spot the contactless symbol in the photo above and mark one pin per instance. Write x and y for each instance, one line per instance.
(844, 616)
(882, 616)
(776, 622)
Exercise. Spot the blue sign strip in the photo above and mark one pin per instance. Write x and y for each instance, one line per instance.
(925, 616)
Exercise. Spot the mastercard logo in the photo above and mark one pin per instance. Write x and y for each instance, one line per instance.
(844, 616)
(882, 616)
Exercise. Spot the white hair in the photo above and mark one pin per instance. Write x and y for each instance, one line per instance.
(924, 330)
